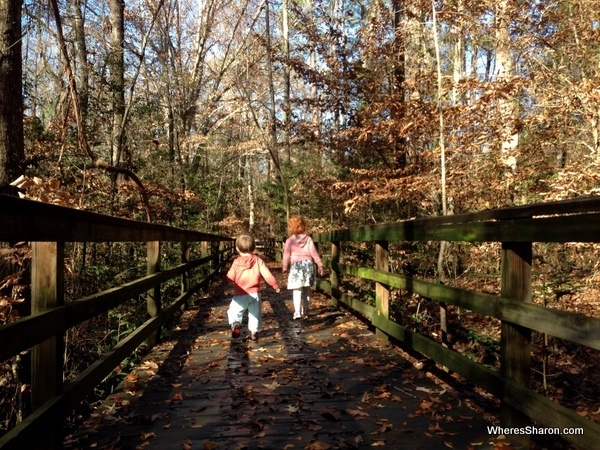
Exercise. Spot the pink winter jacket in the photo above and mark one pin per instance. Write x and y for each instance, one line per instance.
(298, 248)
(246, 272)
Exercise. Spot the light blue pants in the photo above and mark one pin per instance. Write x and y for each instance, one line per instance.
(239, 304)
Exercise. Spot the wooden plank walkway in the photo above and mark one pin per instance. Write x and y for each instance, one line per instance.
(323, 383)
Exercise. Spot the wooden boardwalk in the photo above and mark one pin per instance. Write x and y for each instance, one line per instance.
(323, 383)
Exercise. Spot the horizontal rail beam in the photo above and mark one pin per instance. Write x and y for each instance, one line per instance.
(562, 324)
(17, 336)
(27, 220)
(570, 228)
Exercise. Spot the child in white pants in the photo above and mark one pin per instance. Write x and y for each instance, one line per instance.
(246, 273)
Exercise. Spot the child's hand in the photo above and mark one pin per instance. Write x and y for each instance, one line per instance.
(278, 290)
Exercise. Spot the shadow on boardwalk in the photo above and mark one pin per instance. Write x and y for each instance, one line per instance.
(322, 383)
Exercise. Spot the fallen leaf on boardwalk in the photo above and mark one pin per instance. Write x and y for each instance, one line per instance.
(448, 444)
(318, 445)
(383, 396)
(384, 428)
(149, 365)
(356, 412)
(207, 446)
(292, 409)
(177, 397)
(426, 406)
(272, 386)
(311, 425)
(146, 436)
(431, 391)
(331, 414)
(351, 442)
(378, 443)
(435, 428)
(133, 376)
(154, 417)
(110, 410)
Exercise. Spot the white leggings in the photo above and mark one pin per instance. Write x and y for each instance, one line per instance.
(301, 296)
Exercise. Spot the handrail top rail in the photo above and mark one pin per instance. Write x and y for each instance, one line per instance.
(34, 221)
(493, 225)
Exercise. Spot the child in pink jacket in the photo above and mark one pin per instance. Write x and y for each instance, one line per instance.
(299, 253)
(246, 273)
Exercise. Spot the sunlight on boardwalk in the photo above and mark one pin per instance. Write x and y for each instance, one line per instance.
(324, 383)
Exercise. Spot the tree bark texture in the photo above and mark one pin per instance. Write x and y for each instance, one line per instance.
(11, 97)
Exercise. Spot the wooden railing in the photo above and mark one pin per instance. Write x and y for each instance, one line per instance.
(48, 228)
(516, 228)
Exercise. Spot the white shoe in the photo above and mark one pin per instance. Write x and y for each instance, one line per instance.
(297, 316)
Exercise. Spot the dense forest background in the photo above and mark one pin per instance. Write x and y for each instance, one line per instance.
(228, 116)
(346, 112)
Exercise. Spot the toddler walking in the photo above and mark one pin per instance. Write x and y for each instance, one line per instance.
(246, 272)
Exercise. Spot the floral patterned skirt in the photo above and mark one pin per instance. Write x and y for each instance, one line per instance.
(302, 273)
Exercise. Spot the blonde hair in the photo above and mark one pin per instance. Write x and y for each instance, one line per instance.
(245, 243)
(297, 225)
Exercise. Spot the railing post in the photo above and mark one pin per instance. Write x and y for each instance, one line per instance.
(515, 341)
(334, 277)
(185, 277)
(203, 253)
(153, 302)
(214, 248)
(382, 293)
(279, 251)
(47, 292)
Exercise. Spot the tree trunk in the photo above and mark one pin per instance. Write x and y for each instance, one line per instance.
(272, 144)
(250, 194)
(504, 71)
(116, 63)
(81, 58)
(441, 275)
(287, 105)
(399, 74)
(12, 151)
